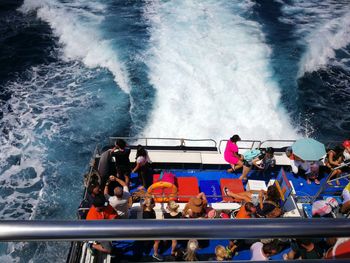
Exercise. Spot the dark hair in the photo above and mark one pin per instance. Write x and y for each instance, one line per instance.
(248, 206)
(99, 201)
(270, 150)
(120, 143)
(235, 138)
(92, 186)
(304, 242)
(273, 193)
(269, 248)
(141, 151)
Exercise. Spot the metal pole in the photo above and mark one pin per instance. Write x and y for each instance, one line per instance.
(132, 229)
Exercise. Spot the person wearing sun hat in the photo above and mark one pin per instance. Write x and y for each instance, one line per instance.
(195, 208)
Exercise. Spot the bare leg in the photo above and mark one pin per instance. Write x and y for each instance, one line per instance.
(173, 246)
(245, 172)
(238, 165)
(155, 247)
(244, 196)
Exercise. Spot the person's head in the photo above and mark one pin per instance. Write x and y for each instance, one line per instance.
(172, 206)
(346, 145)
(120, 143)
(273, 194)
(250, 207)
(269, 249)
(99, 203)
(148, 203)
(94, 188)
(269, 152)
(304, 242)
(235, 138)
(141, 151)
(220, 253)
(118, 192)
(192, 247)
(195, 208)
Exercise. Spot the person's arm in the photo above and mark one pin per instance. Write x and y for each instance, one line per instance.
(121, 182)
(294, 166)
(332, 161)
(290, 256)
(261, 201)
(255, 163)
(202, 196)
(105, 190)
(99, 247)
(136, 167)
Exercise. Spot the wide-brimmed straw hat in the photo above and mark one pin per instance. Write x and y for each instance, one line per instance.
(196, 205)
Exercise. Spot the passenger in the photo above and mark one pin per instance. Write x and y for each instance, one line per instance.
(121, 200)
(149, 213)
(310, 169)
(248, 210)
(120, 157)
(231, 154)
(304, 249)
(93, 190)
(346, 153)
(191, 251)
(334, 159)
(101, 210)
(346, 199)
(143, 167)
(263, 161)
(265, 202)
(173, 214)
(269, 204)
(262, 252)
(196, 206)
(220, 253)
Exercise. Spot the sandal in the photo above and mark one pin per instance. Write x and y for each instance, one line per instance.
(226, 190)
(317, 181)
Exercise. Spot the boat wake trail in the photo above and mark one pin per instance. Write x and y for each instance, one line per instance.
(76, 24)
(210, 67)
(324, 29)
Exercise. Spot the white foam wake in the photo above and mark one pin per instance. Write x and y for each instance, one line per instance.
(210, 68)
(77, 26)
(324, 28)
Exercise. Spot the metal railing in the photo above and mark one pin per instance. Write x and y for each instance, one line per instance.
(146, 141)
(133, 229)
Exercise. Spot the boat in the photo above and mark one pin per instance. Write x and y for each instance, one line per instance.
(198, 165)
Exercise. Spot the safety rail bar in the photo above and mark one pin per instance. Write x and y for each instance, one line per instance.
(276, 141)
(133, 229)
(182, 141)
(252, 144)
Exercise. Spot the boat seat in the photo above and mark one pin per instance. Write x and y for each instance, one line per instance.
(234, 185)
(212, 190)
(187, 187)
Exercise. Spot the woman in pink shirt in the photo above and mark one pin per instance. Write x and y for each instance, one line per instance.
(231, 154)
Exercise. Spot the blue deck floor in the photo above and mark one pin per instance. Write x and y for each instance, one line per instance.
(299, 183)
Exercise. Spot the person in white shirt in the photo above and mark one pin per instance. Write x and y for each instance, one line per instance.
(121, 201)
(311, 169)
(262, 251)
(143, 167)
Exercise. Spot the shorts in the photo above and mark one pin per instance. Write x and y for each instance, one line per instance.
(248, 164)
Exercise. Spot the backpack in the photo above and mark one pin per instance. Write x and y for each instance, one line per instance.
(276, 212)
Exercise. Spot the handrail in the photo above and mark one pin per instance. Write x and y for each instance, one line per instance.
(182, 141)
(253, 142)
(132, 229)
(276, 141)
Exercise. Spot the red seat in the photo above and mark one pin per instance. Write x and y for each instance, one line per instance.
(234, 185)
(187, 187)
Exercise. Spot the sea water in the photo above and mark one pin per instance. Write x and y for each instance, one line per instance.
(73, 73)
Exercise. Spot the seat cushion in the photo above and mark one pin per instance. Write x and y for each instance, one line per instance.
(212, 190)
(234, 185)
(187, 187)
